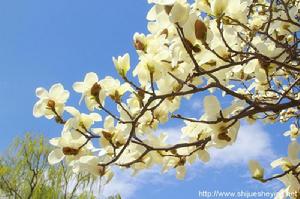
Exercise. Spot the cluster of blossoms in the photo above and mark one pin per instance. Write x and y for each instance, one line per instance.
(245, 51)
(290, 166)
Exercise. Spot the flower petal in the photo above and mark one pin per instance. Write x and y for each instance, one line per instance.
(90, 79)
(41, 92)
(55, 156)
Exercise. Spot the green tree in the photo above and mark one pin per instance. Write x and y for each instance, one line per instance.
(25, 173)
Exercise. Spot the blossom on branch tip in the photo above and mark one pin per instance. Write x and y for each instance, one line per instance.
(122, 64)
(50, 104)
(90, 90)
(80, 121)
(256, 170)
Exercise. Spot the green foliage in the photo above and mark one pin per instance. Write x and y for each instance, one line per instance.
(115, 197)
(25, 173)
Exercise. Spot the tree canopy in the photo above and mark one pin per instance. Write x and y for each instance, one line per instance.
(244, 51)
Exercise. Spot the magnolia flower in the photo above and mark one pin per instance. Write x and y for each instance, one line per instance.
(172, 162)
(88, 164)
(113, 88)
(194, 130)
(293, 132)
(79, 120)
(256, 170)
(292, 188)
(50, 103)
(130, 108)
(71, 145)
(91, 91)
(140, 42)
(287, 163)
(91, 165)
(150, 65)
(112, 135)
(218, 6)
(291, 160)
(122, 64)
(222, 134)
(147, 123)
(178, 12)
(237, 9)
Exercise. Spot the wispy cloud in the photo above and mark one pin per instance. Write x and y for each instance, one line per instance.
(127, 185)
(253, 142)
(122, 183)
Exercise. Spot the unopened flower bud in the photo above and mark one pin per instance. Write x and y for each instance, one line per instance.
(256, 170)
(200, 30)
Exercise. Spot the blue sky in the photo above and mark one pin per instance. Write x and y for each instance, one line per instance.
(45, 42)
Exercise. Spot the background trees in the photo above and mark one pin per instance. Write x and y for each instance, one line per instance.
(26, 173)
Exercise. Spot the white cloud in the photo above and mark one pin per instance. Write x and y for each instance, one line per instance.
(122, 184)
(252, 143)
(127, 185)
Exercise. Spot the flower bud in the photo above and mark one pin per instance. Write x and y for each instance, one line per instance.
(200, 30)
(256, 170)
(122, 64)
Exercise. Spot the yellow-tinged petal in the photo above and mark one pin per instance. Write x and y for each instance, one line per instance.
(256, 170)
(180, 172)
(203, 155)
(55, 156)
(212, 107)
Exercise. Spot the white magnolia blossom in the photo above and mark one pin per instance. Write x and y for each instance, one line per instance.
(286, 163)
(90, 165)
(293, 132)
(113, 88)
(122, 64)
(80, 121)
(69, 146)
(222, 133)
(51, 101)
(88, 89)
